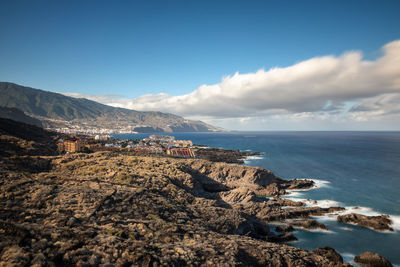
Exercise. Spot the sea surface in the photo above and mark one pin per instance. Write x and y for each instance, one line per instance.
(356, 170)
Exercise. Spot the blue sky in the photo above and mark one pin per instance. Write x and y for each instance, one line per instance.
(134, 48)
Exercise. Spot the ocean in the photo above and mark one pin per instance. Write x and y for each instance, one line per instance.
(356, 170)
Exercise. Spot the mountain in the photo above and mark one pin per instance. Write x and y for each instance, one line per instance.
(57, 110)
(18, 115)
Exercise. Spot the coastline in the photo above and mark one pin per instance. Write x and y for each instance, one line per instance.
(297, 194)
(186, 207)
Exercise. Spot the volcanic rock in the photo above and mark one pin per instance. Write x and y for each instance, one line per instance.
(308, 224)
(380, 223)
(329, 253)
(369, 259)
(284, 228)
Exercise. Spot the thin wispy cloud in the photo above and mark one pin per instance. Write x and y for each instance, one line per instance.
(345, 87)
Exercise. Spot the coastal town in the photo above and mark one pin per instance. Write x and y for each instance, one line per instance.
(154, 144)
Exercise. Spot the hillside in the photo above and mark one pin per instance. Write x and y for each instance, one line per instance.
(57, 110)
(18, 115)
(17, 138)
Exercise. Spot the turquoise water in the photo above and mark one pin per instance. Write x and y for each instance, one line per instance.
(353, 168)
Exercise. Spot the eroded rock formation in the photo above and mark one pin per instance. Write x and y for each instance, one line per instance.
(369, 259)
(380, 223)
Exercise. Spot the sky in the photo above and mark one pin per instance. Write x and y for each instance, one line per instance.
(241, 65)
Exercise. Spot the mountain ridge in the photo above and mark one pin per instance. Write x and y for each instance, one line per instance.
(58, 110)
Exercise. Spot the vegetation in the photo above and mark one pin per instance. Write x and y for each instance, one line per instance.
(52, 106)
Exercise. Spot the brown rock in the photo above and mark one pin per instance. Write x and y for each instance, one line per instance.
(284, 228)
(309, 224)
(370, 259)
(381, 222)
(329, 253)
(14, 256)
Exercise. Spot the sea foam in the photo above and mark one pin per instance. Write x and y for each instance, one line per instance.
(294, 193)
(323, 203)
(321, 183)
(254, 157)
(348, 257)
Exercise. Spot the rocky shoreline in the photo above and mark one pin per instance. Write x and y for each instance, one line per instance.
(224, 155)
(105, 208)
(113, 209)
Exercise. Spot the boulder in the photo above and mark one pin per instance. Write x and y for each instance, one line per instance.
(284, 228)
(309, 224)
(329, 253)
(369, 259)
(380, 223)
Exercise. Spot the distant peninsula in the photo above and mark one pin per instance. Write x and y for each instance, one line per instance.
(63, 113)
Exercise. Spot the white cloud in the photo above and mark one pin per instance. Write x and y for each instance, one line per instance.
(106, 99)
(320, 88)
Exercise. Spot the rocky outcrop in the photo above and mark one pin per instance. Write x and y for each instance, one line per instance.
(280, 214)
(284, 237)
(329, 253)
(297, 184)
(284, 228)
(242, 195)
(223, 155)
(369, 259)
(308, 224)
(380, 223)
(261, 181)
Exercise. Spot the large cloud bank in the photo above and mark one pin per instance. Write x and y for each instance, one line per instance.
(346, 86)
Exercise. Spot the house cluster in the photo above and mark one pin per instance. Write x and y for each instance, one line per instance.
(155, 144)
(164, 144)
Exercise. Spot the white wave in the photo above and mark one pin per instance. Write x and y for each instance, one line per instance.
(325, 217)
(348, 257)
(396, 222)
(320, 183)
(248, 159)
(367, 211)
(346, 228)
(254, 157)
(323, 231)
(293, 193)
(323, 203)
